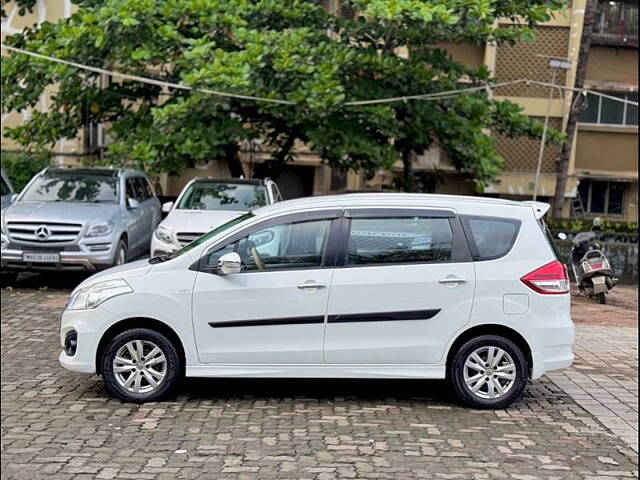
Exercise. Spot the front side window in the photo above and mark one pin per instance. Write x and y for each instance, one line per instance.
(293, 245)
(490, 237)
(141, 189)
(131, 188)
(70, 187)
(223, 196)
(379, 241)
(211, 234)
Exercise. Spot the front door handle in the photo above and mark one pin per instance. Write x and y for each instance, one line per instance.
(311, 285)
(452, 280)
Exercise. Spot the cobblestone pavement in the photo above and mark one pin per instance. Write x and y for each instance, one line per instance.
(580, 423)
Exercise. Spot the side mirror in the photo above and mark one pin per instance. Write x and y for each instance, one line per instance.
(166, 207)
(132, 203)
(13, 197)
(562, 236)
(229, 263)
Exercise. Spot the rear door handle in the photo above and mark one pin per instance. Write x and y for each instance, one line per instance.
(452, 280)
(311, 285)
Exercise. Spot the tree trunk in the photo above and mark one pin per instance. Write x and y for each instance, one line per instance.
(233, 160)
(407, 171)
(581, 72)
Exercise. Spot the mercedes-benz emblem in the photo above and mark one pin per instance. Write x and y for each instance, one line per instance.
(43, 232)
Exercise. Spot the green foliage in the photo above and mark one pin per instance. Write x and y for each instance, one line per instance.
(577, 225)
(20, 167)
(274, 49)
(24, 6)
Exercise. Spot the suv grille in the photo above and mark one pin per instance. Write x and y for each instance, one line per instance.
(186, 238)
(43, 232)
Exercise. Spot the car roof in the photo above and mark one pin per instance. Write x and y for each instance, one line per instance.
(238, 181)
(389, 200)
(104, 171)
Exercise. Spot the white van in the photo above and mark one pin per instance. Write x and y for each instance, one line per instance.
(349, 286)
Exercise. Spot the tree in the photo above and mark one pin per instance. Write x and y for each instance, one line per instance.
(280, 49)
(562, 169)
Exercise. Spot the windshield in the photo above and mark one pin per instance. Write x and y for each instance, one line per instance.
(69, 187)
(223, 196)
(207, 236)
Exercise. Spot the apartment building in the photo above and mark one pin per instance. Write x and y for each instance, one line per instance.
(603, 170)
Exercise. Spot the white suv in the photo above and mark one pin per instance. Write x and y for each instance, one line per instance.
(350, 286)
(204, 204)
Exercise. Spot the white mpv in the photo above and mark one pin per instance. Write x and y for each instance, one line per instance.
(351, 286)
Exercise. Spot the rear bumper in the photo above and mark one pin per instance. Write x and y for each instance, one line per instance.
(552, 349)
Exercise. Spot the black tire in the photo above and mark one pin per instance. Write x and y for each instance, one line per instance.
(457, 367)
(602, 298)
(9, 278)
(120, 258)
(165, 387)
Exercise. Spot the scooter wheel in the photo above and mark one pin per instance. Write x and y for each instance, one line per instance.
(602, 298)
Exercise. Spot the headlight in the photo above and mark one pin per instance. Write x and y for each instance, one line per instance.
(93, 295)
(99, 229)
(164, 235)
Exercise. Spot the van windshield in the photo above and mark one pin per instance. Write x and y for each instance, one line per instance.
(209, 235)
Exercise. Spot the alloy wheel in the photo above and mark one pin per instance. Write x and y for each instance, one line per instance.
(140, 366)
(489, 372)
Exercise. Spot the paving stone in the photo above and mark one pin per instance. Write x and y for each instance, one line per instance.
(579, 423)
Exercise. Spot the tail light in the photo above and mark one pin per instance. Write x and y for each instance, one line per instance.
(551, 278)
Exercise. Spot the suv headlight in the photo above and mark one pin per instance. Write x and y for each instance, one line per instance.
(99, 229)
(164, 235)
(93, 295)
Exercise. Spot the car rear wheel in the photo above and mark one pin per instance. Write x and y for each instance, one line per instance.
(141, 365)
(489, 372)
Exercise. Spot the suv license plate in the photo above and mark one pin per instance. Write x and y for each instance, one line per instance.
(41, 257)
(598, 280)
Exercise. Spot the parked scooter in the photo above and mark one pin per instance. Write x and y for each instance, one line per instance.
(590, 266)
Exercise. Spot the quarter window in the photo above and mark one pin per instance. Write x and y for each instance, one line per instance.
(374, 241)
(490, 237)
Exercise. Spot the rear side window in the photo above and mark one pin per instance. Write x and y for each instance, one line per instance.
(376, 241)
(490, 237)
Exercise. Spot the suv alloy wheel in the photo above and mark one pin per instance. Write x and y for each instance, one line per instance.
(489, 372)
(141, 365)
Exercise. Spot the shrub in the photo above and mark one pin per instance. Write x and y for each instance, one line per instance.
(21, 166)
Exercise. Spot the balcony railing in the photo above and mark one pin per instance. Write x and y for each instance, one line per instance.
(616, 24)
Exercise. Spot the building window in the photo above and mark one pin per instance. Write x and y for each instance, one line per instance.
(606, 111)
(617, 20)
(602, 197)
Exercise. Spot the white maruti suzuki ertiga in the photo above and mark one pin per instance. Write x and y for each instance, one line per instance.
(351, 286)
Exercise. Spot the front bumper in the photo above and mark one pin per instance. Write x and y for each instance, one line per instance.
(88, 255)
(89, 326)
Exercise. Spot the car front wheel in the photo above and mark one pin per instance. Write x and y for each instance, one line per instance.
(141, 365)
(489, 372)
